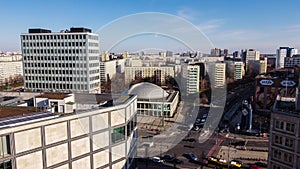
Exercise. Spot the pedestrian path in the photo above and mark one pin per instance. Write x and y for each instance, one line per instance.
(214, 148)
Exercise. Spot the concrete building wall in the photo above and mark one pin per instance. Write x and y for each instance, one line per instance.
(100, 121)
(80, 147)
(56, 132)
(100, 159)
(28, 140)
(30, 161)
(117, 117)
(82, 163)
(57, 154)
(78, 127)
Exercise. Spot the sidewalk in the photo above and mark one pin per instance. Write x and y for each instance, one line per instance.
(214, 148)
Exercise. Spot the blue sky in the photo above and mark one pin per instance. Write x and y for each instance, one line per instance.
(262, 25)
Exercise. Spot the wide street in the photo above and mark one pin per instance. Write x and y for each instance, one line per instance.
(177, 140)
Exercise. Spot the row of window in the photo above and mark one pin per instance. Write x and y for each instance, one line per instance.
(94, 44)
(55, 44)
(153, 106)
(282, 125)
(54, 51)
(59, 58)
(50, 37)
(118, 134)
(60, 79)
(63, 72)
(284, 141)
(283, 156)
(56, 86)
(93, 51)
(278, 167)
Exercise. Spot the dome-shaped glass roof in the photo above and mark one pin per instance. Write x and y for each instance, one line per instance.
(147, 90)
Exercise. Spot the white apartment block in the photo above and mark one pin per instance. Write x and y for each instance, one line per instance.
(160, 73)
(61, 61)
(93, 137)
(239, 70)
(10, 69)
(192, 75)
(109, 68)
(220, 76)
(217, 74)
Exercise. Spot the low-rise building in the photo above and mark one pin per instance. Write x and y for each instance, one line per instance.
(152, 100)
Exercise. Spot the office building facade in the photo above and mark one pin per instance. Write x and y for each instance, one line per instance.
(284, 144)
(282, 53)
(61, 61)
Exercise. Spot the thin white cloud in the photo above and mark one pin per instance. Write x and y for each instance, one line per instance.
(187, 13)
(211, 25)
(293, 29)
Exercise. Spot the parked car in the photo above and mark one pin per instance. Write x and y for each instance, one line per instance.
(197, 121)
(169, 158)
(157, 160)
(196, 128)
(204, 115)
(177, 161)
(189, 139)
(190, 156)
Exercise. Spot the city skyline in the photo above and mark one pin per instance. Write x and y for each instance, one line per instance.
(260, 25)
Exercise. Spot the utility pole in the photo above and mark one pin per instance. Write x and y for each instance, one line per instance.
(228, 165)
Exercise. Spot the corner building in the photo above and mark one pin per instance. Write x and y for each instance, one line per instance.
(93, 138)
(61, 61)
(284, 141)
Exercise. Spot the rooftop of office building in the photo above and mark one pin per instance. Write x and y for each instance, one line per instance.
(287, 105)
(72, 30)
(279, 73)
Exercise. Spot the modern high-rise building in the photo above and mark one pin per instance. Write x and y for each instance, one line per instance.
(256, 67)
(282, 53)
(239, 70)
(284, 144)
(61, 61)
(192, 73)
(217, 74)
(235, 69)
(250, 54)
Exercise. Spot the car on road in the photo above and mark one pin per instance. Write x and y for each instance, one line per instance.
(157, 160)
(190, 156)
(197, 121)
(169, 158)
(196, 128)
(203, 120)
(189, 139)
(204, 115)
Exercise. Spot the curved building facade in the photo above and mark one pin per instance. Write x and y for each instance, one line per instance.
(152, 100)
